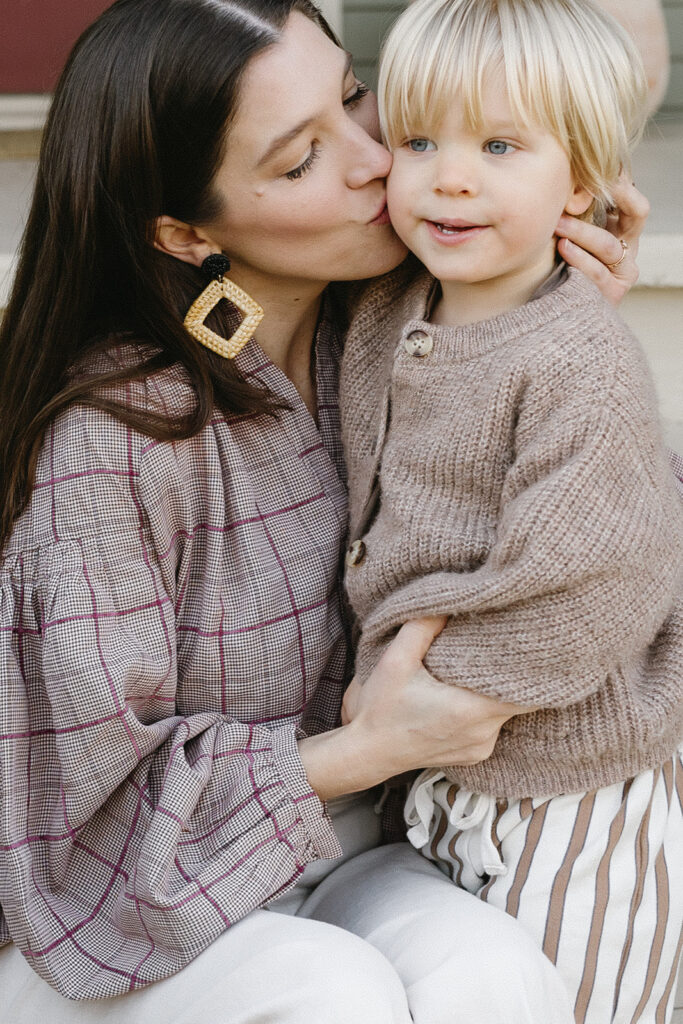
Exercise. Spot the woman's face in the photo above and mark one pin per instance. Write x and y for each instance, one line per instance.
(302, 181)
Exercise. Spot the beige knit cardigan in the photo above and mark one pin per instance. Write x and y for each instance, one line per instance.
(511, 474)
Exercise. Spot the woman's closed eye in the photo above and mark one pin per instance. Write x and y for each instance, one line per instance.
(349, 102)
(354, 99)
(305, 165)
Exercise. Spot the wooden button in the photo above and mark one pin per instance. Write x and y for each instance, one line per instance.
(418, 344)
(355, 553)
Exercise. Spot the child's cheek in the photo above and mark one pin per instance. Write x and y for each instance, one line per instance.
(397, 195)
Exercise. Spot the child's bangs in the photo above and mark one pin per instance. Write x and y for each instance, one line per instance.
(438, 53)
(432, 57)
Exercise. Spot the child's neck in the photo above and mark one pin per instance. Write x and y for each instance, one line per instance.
(461, 303)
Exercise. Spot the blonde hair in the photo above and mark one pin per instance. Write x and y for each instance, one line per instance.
(570, 69)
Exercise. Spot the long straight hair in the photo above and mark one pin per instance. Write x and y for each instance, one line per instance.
(137, 129)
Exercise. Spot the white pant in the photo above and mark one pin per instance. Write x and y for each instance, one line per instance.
(385, 938)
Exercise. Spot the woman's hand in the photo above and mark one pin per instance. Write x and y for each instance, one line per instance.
(350, 703)
(448, 724)
(592, 249)
(402, 718)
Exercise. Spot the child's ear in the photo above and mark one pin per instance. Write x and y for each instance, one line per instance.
(579, 201)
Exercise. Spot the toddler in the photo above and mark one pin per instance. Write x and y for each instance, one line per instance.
(506, 470)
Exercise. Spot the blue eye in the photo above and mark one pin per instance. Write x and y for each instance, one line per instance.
(420, 145)
(498, 148)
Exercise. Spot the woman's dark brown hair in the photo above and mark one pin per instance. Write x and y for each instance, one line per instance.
(137, 129)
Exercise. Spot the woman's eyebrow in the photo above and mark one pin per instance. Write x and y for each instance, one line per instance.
(283, 140)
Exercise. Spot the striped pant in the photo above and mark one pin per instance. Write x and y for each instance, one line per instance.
(596, 878)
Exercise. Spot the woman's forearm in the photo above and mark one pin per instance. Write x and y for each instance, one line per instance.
(339, 762)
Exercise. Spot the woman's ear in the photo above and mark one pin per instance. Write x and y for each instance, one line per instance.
(181, 240)
(579, 201)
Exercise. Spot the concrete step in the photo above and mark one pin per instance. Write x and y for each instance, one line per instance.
(655, 315)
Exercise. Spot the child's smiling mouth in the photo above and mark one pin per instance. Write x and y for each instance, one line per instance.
(454, 230)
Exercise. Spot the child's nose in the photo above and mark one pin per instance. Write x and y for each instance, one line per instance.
(455, 175)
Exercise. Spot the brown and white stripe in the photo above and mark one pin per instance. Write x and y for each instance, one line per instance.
(596, 877)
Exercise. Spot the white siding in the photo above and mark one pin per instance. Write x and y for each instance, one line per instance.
(673, 101)
(366, 22)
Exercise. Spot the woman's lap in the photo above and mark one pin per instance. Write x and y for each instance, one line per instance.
(383, 932)
(268, 968)
(459, 959)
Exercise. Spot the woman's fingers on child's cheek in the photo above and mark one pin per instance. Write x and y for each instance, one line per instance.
(601, 243)
(627, 221)
(602, 247)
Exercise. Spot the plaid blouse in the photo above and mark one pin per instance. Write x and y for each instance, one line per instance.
(677, 467)
(170, 624)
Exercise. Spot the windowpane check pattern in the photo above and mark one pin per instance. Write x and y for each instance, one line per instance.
(170, 624)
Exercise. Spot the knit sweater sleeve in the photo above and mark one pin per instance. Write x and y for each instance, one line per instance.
(587, 558)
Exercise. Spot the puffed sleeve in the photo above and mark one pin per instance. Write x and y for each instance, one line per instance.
(131, 835)
(587, 557)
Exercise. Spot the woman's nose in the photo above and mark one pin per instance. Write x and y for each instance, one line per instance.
(367, 158)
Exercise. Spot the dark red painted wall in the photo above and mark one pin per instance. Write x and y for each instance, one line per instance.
(35, 39)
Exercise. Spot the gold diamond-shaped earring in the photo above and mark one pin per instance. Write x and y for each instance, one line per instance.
(215, 267)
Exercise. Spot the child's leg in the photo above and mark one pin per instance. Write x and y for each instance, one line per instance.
(597, 878)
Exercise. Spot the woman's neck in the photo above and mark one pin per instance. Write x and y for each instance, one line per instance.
(287, 330)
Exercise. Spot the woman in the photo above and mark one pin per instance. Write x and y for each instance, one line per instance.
(174, 653)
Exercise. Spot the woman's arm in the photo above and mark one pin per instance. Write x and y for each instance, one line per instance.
(142, 813)
(402, 718)
(141, 819)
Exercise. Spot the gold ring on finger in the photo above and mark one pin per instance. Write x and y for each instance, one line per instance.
(624, 250)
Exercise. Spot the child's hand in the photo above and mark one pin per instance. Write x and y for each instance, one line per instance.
(597, 251)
